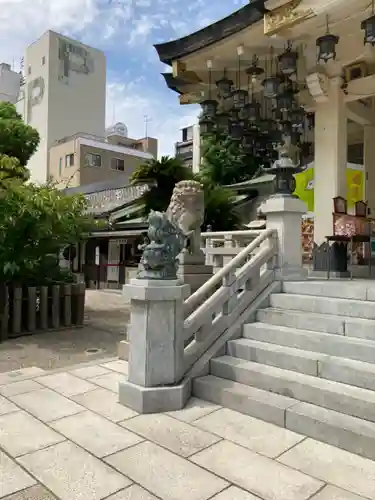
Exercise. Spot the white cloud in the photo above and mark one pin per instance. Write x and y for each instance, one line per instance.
(131, 25)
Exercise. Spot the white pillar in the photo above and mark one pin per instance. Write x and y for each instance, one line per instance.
(369, 163)
(284, 214)
(330, 159)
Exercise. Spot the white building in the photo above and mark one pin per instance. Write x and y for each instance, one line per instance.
(63, 94)
(188, 149)
(10, 82)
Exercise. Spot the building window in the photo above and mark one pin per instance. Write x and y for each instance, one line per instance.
(69, 160)
(117, 164)
(60, 167)
(93, 160)
(43, 60)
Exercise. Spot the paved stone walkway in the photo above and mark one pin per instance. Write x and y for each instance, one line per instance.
(64, 436)
(106, 319)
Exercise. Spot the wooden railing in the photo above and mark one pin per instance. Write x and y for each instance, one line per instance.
(220, 247)
(224, 300)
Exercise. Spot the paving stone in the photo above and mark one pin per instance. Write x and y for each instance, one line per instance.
(33, 493)
(234, 493)
(66, 384)
(259, 436)
(117, 366)
(21, 433)
(109, 381)
(258, 474)
(333, 493)
(19, 387)
(105, 403)
(165, 474)
(46, 404)
(95, 433)
(12, 477)
(194, 409)
(6, 406)
(179, 437)
(89, 371)
(22, 374)
(72, 473)
(334, 466)
(134, 492)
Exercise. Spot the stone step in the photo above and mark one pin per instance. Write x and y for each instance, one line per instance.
(325, 323)
(346, 371)
(336, 396)
(307, 340)
(346, 432)
(341, 289)
(324, 305)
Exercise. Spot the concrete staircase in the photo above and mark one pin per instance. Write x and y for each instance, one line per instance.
(306, 364)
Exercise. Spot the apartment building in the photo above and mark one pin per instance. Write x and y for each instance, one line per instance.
(188, 149)
(85, 159)
(10, 82)
(63, 93)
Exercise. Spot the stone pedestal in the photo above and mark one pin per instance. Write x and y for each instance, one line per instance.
(156, 347)
(193, 271)
(284, 214)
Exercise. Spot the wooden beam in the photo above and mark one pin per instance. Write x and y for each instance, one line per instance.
(360, 88)
(359, 113)
(285, 17)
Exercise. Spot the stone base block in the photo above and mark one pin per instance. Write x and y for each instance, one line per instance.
(292, 274)
(194, 269)
(123, 350)
(154, 399)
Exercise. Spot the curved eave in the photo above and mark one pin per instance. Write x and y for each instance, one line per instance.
(173, 83)
(239, 20)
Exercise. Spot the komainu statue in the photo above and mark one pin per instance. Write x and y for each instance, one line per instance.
(170, 233)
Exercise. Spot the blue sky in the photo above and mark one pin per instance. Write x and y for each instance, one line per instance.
(126, 31)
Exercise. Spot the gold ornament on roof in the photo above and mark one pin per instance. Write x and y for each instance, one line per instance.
(285, 17)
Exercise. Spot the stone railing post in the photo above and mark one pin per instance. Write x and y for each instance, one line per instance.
(284, 214)
(156, 346)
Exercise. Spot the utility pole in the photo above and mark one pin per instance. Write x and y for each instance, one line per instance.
(147, 120)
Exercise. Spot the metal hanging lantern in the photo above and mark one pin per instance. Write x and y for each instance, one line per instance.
(206, 126)
(368, 25)
(326, 45)
(237, 130)
(209, 107)
(288, 61)
(285, 101)
(272, 86)
(254, 71)
(224, 86)
(251, 111)
(297, 118)
(240, 98)
(223, 123)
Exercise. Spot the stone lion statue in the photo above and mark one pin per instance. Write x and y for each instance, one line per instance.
(186, 211)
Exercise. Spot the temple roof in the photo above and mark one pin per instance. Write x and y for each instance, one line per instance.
(239, 20)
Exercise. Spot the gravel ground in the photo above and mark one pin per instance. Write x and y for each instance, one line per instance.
(106, 320)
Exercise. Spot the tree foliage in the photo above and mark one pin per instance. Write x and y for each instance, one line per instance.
(35, 224)
(161, 175)
(18, 142)
(225, 162)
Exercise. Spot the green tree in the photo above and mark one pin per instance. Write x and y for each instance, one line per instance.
(224, 161)
(220, 213)
(35, 224)
(162, 175)
(18, 142)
